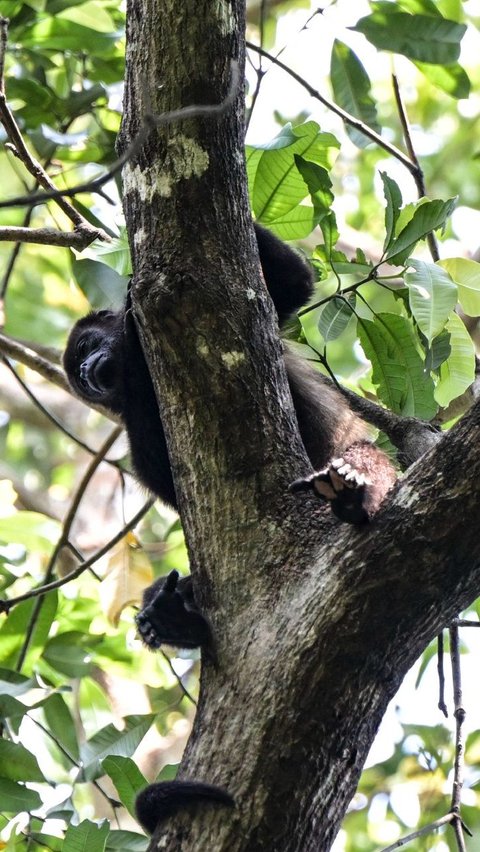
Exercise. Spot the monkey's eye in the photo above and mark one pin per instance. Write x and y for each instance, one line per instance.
(82, 347)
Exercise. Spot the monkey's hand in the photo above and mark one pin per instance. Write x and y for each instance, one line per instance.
(169, 615)
(354, 485)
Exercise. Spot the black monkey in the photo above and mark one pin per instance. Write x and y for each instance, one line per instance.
(105, 364)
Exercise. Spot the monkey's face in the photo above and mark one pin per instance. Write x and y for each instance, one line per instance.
(93, 359)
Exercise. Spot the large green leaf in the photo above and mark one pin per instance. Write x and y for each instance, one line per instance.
(352, 90)
(466, 273)
(17, 763)
(428, 216)
(277, 183)
(458, 371)
(397, 369)
(421, 37)
(60, 34)
(61, 723)
(86, 837)
(70, 653)
(127, 778)
(110, 741)
(16, 798)
(14, 629)
(452, 79)
(432, 296)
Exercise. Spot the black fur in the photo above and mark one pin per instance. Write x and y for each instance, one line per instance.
(159, 802)
(170, 616)
(105, 364)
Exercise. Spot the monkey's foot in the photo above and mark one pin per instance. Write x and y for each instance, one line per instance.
(341, 485)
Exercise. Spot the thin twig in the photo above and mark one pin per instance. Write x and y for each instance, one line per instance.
(349, 119)
(459, 714)
(178, 678)
(418, 174)
(427, 829)
(441, 676)
(3, 47)
(259, 69)
(149, 123)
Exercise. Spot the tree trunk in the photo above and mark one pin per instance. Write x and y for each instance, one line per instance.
(315, 623)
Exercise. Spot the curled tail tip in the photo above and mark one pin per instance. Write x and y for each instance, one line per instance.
(159, 801)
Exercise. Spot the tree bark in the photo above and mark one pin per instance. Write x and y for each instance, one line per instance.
(316, 623)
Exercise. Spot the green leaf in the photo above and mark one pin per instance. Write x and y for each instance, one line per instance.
(296, 224)
(127, 778)
(60, 34)
(17, 763)
(438, 352)
(86, 837)
(61, 724)
(330, 233)
(397, 369)
(335, 316)
(276, 185)
(419, 37)
(116, 254)
(14, 629)
(31, 529)
(110, 741)
(318, 183)
(16, 798)
(432, 296)
(466, 274)
(451, 79)
(458, 371)
(119, 841)
(428, 216)
(68, 653)
(13, 683)
(352, 91)
(89, 14)
(103, 287)
(393, 197)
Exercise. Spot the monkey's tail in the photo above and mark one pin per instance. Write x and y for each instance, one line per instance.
(160, 801)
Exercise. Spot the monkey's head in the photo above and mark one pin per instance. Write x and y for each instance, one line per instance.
(93, 359)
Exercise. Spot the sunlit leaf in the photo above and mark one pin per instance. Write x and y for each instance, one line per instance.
(397, 369)
(352, 91)
(127, 778)
(466, 273)
(421, 37)
(432, 295)
(458, 371)
(86, 837)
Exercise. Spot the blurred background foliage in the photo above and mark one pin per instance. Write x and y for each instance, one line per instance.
(78, 694)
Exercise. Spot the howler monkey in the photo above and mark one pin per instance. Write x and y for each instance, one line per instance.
(105, 364)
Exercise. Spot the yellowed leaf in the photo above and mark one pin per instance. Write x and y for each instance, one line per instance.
(129, 572)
